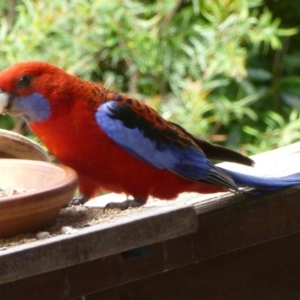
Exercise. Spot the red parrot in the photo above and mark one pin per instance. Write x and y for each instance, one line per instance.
(115, 142)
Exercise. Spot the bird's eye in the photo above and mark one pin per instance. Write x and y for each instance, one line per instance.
(24, 81)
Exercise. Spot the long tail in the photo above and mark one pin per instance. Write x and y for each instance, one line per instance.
(263, 183)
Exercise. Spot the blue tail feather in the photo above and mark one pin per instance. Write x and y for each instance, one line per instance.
(263, 183)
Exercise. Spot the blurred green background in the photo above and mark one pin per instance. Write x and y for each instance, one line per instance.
(227, 70)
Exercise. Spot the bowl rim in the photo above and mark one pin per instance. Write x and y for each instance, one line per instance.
(69, 182)
(14, 136)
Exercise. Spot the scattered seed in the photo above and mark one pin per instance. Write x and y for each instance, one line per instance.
(7, 192)
(42, 235)
(68, 230)
(74, 217)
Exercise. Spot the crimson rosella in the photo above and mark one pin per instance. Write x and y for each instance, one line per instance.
(115, 142)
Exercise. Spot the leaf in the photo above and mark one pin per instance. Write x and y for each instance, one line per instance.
(260, 75)
(291, 100)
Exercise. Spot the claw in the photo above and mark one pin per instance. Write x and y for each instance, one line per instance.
(123, 205)
(78, 200)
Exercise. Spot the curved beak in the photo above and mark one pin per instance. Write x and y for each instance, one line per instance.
(5, 102)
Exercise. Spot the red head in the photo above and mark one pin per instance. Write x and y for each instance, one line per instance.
(32, 89)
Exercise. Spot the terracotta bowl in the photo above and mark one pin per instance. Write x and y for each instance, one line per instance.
(47, 186)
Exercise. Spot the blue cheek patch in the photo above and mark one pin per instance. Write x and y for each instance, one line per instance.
(35, 107)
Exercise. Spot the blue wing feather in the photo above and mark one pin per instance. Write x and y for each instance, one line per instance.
(132, 139)
(135, 142)
(189, 162)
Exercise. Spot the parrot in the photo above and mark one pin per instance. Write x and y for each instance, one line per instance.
(117, 143)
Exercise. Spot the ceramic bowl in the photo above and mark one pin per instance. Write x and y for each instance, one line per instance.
(47, 188)
(14, 145)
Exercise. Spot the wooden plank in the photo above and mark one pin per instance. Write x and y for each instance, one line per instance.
(101, 240)
(251, 221)
(266, 271)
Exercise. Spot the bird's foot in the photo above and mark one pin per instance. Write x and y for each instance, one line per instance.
(78, 200)
(123, 205)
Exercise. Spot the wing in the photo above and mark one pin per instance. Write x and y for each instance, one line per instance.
(146, 135)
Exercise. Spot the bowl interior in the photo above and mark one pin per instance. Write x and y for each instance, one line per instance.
(29, 175)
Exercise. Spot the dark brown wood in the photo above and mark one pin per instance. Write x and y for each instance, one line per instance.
(265, 271)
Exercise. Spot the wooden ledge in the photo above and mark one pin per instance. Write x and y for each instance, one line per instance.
(146, 227)
(191, 229)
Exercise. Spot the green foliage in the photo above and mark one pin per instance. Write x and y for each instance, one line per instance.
(217, 67)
